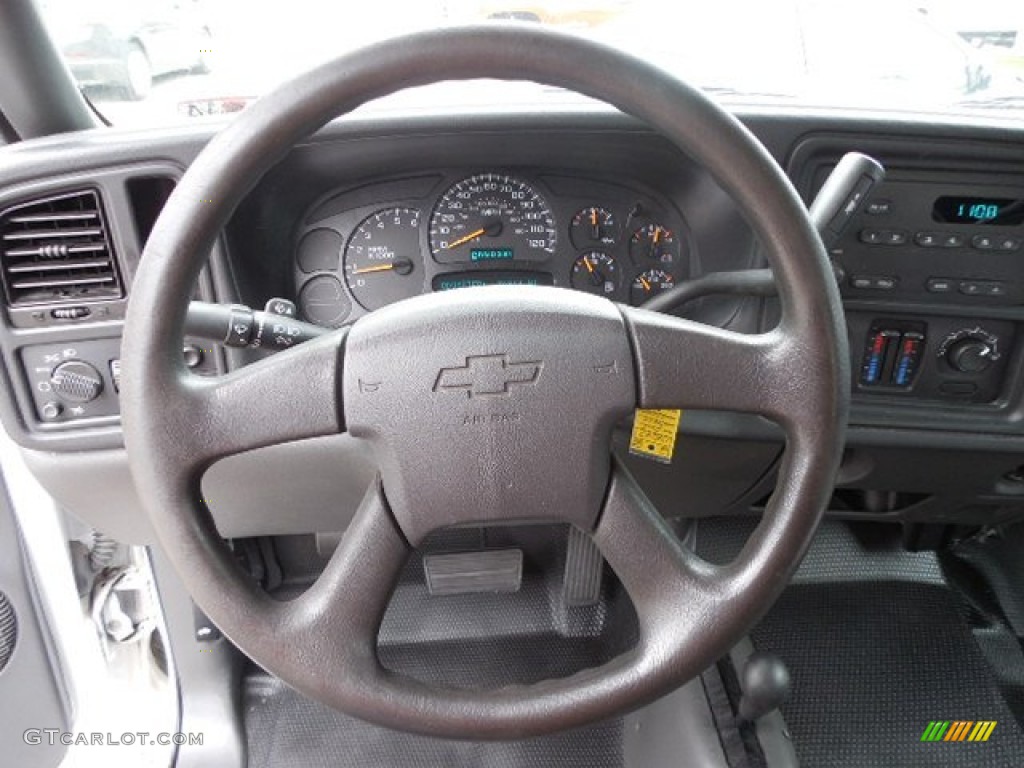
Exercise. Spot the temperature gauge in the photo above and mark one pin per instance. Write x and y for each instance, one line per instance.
(593, 226)
(595, 272)
(653, 243)
(648, 284)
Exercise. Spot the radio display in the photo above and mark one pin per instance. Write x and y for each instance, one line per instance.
(452, 280)
(998, 211)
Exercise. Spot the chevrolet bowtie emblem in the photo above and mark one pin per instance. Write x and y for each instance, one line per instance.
(488, 376)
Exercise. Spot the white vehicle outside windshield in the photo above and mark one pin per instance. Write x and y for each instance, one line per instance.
(151, 62)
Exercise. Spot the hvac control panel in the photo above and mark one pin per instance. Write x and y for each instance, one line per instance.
(930, 357)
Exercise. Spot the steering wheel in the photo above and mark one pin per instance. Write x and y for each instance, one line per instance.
(478, 409)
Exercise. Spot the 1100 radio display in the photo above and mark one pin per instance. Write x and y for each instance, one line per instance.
(998, 211)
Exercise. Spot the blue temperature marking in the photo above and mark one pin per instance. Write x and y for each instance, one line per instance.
(903, 372)
(874, 364)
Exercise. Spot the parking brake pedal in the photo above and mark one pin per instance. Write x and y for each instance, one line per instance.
(492, 570)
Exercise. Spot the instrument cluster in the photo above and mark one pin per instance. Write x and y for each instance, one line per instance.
(365, 248)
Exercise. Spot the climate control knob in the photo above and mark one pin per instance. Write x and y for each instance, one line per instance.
(76, 382)
(971, 355)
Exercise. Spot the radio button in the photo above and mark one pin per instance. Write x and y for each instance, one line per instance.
(983, 288)
(939, 285)
(983, 242)
(996, 289)
(873, 283)
(862, 283)
(885, 283)
(883, 236)
(940, 239)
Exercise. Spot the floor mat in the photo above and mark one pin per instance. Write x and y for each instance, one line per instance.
(287, 730)
(472, 641)
(878, 647)
(872, 664)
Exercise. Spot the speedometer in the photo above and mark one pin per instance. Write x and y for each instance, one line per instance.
(489, 217)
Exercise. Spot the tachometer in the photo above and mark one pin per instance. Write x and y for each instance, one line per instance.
(383, 263)
(489, 217)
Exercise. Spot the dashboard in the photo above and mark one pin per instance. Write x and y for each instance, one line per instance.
(376, 209)
(443, 231)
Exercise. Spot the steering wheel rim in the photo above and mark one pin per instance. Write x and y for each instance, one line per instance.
(324, 643)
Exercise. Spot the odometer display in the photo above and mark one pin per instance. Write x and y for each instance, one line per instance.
(491, 254)
(492, 217)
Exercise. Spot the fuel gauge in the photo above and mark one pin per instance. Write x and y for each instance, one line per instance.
(595, 272)
(648, 284)
(593, 226)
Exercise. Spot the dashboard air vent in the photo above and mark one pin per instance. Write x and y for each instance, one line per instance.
(56, 250)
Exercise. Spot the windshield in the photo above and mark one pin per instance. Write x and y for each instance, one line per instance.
(152, 62)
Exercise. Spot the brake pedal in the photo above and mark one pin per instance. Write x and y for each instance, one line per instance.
(492, 570)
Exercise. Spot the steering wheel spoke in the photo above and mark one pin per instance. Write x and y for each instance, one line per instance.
(343, 609)
(674, 591)
(686, 364)
(289, 396)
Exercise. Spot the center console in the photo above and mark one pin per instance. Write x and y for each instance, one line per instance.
(932, 275)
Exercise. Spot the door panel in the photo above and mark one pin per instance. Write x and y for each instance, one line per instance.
(32, 699)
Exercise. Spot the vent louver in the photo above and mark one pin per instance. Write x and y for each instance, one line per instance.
(57, 250)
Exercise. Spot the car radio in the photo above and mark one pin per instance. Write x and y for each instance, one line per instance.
(951, 239)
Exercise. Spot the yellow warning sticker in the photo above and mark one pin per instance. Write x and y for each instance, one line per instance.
(654, 434)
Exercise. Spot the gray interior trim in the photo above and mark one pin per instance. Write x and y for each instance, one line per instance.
(37, 91)
(283, 489)
(208, 679)
(32, 694)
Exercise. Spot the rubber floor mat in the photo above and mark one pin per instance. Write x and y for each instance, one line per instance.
(872, 663)
(468, 641)
(287, 730)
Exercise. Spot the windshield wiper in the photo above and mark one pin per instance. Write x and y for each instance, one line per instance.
(729, 90)
(102, 118)
(1008, 101)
